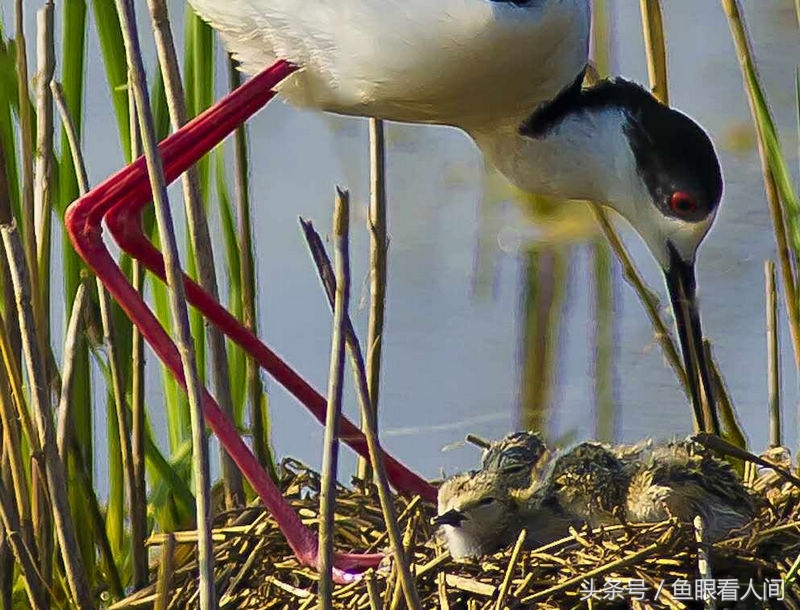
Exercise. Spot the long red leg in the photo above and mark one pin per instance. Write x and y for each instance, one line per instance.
(124, 222)
(83, 222)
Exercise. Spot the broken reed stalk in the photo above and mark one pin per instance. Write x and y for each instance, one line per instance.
(326, 275)
(378, 249)
(330, 446)
(776, 212)
(773, 355)
(178, 308)
(43, 173)
(43, 415)
(375, 601)
(166, 570)
(137, 494)
(67, 372)
(199, 236)
(703, 563)
(247, 274)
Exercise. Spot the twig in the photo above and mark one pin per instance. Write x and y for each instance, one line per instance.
(653, 29)
(330, 455)
(773, 356)
(375, 602)
(378, 246)
(477, 441)
(255, 389)
(512, 564)
(55, 470)
(603, 569)
(180, 316)
(67, 377)
(373, 445)
(199, 235)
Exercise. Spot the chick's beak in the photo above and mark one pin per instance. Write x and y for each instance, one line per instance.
(451, 517)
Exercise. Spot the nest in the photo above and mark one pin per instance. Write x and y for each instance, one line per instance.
(610, 567)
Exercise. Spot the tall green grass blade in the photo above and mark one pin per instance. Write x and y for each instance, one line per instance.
(199, 88)
(113, 50)
(236, 357)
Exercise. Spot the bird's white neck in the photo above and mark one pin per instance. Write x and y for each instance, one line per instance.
(585, 156)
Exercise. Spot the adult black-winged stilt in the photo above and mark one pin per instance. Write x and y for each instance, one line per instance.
(508, 73)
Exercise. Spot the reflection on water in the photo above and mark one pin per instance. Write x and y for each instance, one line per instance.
(454, 348)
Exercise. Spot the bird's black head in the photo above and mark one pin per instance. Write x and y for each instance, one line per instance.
(674, 156)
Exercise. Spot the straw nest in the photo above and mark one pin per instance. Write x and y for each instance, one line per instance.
(255, 568)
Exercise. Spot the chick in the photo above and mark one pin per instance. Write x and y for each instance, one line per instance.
(684, 479)
(520, 456)
(476, 515)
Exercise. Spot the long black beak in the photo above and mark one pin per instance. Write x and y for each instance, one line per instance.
(681, 285)
(451, 517)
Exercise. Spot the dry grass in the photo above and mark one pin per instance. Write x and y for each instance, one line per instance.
(255, 568)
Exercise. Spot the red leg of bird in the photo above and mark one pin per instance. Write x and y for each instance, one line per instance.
(124, 222)
(83, 221)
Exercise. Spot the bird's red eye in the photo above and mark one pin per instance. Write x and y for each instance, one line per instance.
(682, 203)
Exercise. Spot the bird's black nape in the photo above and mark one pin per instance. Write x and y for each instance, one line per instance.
(674, 155)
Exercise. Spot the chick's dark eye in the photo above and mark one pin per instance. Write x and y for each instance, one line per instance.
(486, 501)
(682, 203)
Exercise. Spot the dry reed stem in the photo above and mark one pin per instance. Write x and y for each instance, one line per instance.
(178, 306)
(646, 296)
(199, 236)
(512, 564)
(25, 561)
(166, 570)
(378, 250)
(703, 563)
(11, 447)
(375, 602)
(64, 424)
(27, 155)
(773, 355)
(655, 47)
(43, 172)
(330, 455)
(727, 413)
(785, 257)
(370, 429)
(137, 494)
(55, 469)
(138, 415)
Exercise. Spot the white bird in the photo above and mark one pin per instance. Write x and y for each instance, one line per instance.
(507, 73)
(510, 75)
